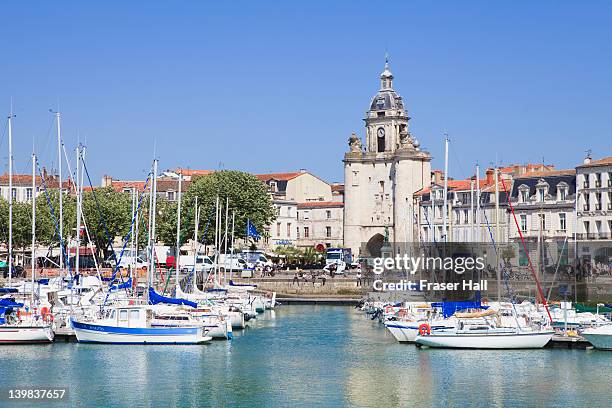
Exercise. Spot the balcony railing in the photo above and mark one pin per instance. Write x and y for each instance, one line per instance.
(594, 235)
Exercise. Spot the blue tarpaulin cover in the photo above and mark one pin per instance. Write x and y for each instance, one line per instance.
(155, 298)
(449, 308)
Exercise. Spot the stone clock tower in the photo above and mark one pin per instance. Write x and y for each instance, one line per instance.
(381, 177)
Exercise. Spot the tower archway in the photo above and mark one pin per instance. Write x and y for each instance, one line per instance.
(374, 245)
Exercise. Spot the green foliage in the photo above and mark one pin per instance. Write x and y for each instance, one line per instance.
(248, 197)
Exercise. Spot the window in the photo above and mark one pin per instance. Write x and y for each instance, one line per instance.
(170, 195)
(306, 215)
(14, 193)
(562, 222)
(273, 186)
(466, 216)
(29, 194)
(306, 232)
(355, 178)
(586, 181)
(542, 221)
(598, 201)
(440, 211)
(328, 214)
(524, 195)
(278, 227)
(289, 229)
(587, 227)
(609, 200)
(597, 179)
(134, 315)
(123, 315)
(328, 232)
(587, 203)
(541, 194)
(563, 194)
(523, 222)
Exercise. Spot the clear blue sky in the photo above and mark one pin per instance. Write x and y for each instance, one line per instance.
(278, 86)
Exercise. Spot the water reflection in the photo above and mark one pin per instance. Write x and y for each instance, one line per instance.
(304, 356)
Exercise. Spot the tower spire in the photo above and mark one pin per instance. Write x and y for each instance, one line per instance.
(386, 77)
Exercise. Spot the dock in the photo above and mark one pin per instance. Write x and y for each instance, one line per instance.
(560, 341)
(65, 335)
(338, 301)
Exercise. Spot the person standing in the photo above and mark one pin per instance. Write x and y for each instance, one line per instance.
(359, 276)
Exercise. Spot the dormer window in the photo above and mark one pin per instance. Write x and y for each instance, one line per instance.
(523, 194)
(541, 194)
(273, 186)
(562, 189)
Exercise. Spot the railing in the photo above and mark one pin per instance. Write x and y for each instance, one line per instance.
(594, 235)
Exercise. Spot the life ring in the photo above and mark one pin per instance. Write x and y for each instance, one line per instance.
(388, 309)
(424, 329)
(44, 311)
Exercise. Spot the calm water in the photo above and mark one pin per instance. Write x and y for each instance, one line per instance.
(309, 356)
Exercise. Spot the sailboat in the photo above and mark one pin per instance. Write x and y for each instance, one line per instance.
(136, 323)
(18, 323)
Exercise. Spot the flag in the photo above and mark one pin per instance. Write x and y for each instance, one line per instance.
(252, 231)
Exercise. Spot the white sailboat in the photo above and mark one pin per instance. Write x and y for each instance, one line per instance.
(484, 330)
(600, 337)
(20, 324)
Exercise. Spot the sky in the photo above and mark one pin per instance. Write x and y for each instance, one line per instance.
(280, 86)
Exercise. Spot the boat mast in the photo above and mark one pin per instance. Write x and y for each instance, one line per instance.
(445, 208)
(60, 198)
(153, 218)
(225, 250)
(79, 176)
(10, 196)
(178, 236)
(232, 249)
(132, 227)
(33, 226)
(471, 217)
(217, 243)
(497, 232)
(477, 203)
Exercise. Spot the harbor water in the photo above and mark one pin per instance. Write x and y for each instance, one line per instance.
(304, 356)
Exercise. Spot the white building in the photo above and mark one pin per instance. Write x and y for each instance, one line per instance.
(320, 224)
(380, 179)
(594, 180)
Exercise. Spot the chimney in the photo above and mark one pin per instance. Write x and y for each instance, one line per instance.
(107, 181)
(489, 174)
(437, 177)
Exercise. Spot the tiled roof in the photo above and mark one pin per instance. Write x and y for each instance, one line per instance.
(547, 173)
(453, 185)
(193, 172)
(320, 204)
(601, 162)
(278, 176)
(25, 180)
(337, 187)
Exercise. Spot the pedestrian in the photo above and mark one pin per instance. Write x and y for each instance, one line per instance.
(296, 279)
(323, 279)
(359, 276)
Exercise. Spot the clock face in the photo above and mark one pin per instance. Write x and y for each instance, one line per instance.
(381, 132)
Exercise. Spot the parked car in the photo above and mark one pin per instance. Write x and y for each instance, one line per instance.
(18, 271)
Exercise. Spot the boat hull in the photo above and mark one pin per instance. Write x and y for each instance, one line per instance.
(94, 333)
(486, 341)
(600, 338)
(26, 334)
(406, 332)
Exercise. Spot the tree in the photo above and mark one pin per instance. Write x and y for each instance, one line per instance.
(248, 197)
(109, 215)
